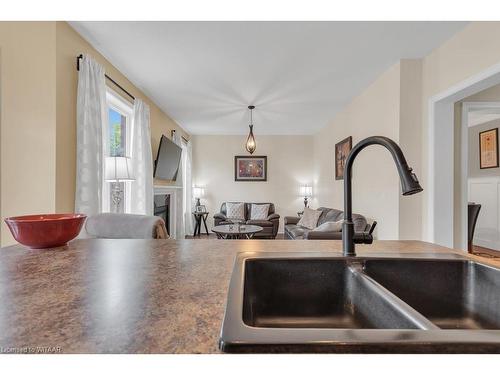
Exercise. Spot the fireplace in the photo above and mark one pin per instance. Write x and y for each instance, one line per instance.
(168, 205)
(162, 208)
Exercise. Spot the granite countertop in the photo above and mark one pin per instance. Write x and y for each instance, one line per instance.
(134, 296)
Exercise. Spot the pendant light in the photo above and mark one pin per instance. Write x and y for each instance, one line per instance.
(251, 145)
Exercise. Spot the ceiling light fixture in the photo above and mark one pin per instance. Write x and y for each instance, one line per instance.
(251, 145)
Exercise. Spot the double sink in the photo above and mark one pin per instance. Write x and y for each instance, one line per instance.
(316, 302)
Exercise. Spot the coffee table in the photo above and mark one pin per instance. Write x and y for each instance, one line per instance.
(231, 231)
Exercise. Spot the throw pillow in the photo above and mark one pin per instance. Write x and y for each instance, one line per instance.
(235, 211)
(329, 226)
(259, 211)
(309, 218)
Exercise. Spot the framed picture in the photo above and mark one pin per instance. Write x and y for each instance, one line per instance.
(488, 149)
(201, 208)
(250, 168)
(342, 149)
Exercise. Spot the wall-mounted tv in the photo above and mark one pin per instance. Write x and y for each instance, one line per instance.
(167, 160)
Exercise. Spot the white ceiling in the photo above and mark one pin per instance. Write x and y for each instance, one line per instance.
(297, 74)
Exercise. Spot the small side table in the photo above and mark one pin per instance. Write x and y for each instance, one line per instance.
(198, 217)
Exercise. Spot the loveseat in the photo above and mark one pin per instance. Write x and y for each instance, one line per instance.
(293, 231)
(270, 224)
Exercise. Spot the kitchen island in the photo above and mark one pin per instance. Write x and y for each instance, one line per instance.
(137, 296)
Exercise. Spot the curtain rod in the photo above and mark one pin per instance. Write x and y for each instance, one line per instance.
(108, 77)
(172, 132)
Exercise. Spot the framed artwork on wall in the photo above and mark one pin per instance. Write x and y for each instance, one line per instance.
(342, 149)
(488, 149)
(200, 209)
(250, 168)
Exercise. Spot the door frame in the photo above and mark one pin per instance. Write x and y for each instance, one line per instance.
(441, 164)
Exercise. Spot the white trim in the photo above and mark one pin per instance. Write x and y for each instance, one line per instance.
(440, 176)
(485, 179)
(487, 108)
(430, 173)
(119, 101)
(483, 114)
(441, 108)
(464, 153)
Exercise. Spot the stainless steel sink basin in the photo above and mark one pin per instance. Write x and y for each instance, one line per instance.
(316, 302)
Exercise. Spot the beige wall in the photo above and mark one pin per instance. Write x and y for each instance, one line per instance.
(375, 182)
(491, 94)
(69, 45)
(387, 107)
(28, 119)
(289, 161)
(38, 81)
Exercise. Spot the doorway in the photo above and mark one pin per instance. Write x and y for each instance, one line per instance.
(480, 120)
(447, 182)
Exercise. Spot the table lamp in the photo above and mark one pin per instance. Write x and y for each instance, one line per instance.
(198, 193)
(306, 192)
(118, 169)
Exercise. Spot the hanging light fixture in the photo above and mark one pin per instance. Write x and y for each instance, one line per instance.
(251, 145)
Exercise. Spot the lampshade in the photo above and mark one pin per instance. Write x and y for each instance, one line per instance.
(306, 191)
(118, 168)
(198, 192)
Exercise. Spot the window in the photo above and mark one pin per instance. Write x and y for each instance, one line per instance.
(117, 132)
(117, 142)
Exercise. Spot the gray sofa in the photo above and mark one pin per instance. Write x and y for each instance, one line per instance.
(270, 225)
(295, 232)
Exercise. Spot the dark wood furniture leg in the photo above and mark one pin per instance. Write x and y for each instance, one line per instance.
(197, 226)
(205, 223)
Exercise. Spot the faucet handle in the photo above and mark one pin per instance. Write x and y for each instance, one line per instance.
(363, 238)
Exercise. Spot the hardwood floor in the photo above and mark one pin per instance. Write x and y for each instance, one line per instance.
(484, 251)
(202, 236)
(212, 236)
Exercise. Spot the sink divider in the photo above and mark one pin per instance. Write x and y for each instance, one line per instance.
(367, 296)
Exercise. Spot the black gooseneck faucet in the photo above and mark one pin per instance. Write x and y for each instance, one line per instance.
(409, 186)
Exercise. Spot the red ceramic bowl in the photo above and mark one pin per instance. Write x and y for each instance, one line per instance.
(43, 231)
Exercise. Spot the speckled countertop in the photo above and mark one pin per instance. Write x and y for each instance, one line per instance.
(132, 296)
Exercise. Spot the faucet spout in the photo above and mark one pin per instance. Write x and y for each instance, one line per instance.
(409, 184)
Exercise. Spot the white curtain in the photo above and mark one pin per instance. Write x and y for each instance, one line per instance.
(187, 188)
(179, 224)
(141, 189)
(90, 124)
